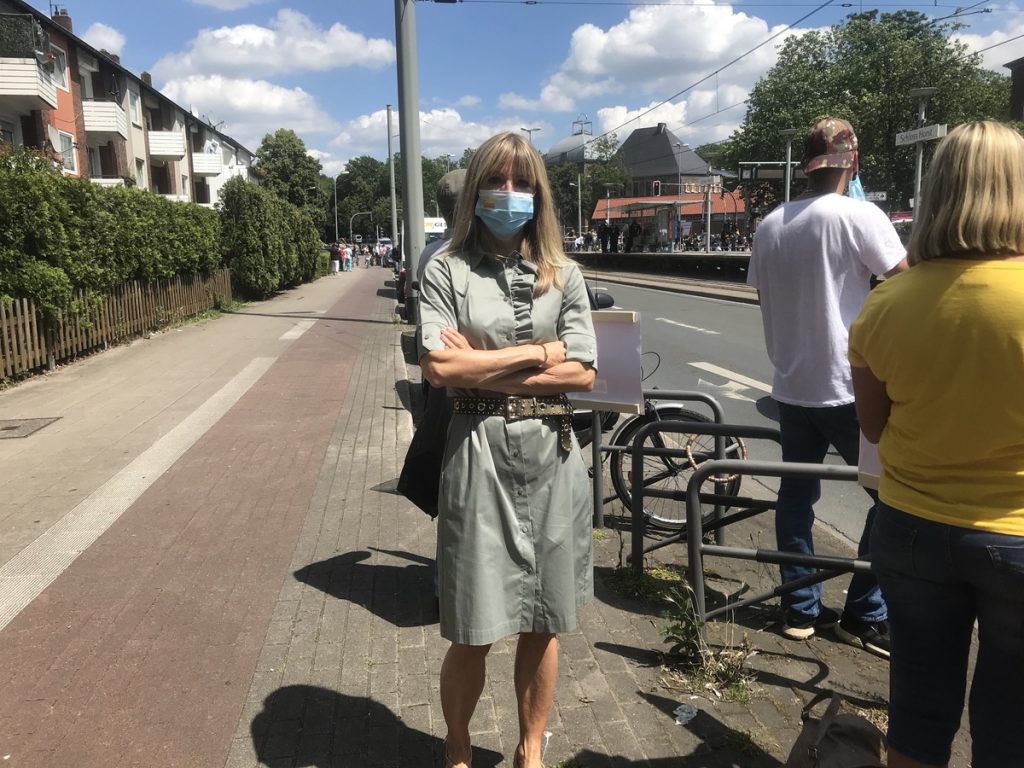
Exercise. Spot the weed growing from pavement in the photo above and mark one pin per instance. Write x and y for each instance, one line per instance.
(600, 535)
(690, 664)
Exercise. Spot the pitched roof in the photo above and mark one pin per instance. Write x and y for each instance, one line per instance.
(656, 151)
(689, 205)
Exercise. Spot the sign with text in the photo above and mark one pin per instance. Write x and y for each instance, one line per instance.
(618, 386)
(876, 197)
(926, 133)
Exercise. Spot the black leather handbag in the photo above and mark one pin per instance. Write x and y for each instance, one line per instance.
(420, 480)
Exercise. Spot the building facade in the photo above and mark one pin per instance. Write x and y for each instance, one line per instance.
(97, 120)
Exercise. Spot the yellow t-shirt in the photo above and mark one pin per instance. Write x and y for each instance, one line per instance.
(947, 338)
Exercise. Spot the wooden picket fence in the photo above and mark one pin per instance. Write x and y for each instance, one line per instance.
(132, 309)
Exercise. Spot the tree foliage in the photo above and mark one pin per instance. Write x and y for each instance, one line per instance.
(289, 172)
(863, 70)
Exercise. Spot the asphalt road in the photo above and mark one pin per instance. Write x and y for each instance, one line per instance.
(717, 346)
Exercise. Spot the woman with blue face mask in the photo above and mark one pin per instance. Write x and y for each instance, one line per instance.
(505, 325)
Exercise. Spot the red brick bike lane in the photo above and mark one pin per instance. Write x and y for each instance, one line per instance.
(141, 652)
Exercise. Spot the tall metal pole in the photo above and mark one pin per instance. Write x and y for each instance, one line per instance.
(789, 133)
(707, 220)
(394, 202)
(409, 140)
(335, 209)
(579, 204)
(922, 95)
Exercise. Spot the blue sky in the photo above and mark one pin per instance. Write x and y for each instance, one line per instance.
(327, 69)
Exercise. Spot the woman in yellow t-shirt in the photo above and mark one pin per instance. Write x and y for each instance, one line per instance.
(938, 370)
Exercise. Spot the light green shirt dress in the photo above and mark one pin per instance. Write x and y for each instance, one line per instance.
(514, 543)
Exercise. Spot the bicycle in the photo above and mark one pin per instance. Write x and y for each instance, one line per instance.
(662, 473)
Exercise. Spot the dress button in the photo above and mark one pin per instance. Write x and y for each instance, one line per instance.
(525, 529)
(515, 454)
(519, 491)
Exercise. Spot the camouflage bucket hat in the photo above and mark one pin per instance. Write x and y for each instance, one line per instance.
(831, 143)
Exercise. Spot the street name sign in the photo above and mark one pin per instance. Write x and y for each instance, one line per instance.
(876, 197)
(925, 133)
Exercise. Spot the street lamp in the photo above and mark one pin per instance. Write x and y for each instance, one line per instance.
(788, 133)
(529, 132)
(679, 192)
(350, 218)
(922, 95)
(608, 187)
(579, 204)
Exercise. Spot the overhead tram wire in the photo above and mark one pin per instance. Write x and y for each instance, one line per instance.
(667, 3)
(708, 76)
(996, 45)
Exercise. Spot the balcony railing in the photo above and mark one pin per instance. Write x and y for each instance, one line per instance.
(206, 163)
(167, 144)
(115, 181)
(105, 117)
(25, 85)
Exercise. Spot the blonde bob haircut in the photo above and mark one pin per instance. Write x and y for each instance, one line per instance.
(973, 207)
(542, 241)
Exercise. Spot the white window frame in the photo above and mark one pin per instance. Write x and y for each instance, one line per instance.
(6, 131)
(60, 55)
(135, 107)
(70, 154)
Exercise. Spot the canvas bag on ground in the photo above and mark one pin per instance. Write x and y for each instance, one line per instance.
(838, 740)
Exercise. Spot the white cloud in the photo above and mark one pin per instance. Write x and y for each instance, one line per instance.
(105, 38)
(330, 165)
(994, 59)
(250, 109)
(291, 43)
(227, 5)
(643, 56)
(441, 130)
(467, 101)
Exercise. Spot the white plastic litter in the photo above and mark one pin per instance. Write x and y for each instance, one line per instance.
(684, 713)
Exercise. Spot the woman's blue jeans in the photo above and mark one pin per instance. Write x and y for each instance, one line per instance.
(938, 580)
(807, 434)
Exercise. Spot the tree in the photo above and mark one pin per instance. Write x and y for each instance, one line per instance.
(290, 173)
(863, 70)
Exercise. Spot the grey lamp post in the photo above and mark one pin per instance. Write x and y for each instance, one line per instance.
(922, 95)
(529, 132)
(579, 203)
(352, 217)
(788, 133)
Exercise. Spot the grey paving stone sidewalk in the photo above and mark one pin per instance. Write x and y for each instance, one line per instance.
(348, 671)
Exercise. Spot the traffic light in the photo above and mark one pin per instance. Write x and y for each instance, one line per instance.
(657, 188)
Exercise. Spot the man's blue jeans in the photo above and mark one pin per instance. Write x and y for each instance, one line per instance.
(806, 436)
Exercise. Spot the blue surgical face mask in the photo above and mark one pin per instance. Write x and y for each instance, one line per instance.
(504, 213)
(855, 190)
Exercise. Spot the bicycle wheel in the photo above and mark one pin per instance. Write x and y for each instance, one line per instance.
(665, 473)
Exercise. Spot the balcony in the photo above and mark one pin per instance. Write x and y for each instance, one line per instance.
(207, 164)
(105, 118)
(166, 145)
(176, 198)
(25, 85)
(108, 182)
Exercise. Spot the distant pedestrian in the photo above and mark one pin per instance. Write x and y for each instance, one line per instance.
(812, 263)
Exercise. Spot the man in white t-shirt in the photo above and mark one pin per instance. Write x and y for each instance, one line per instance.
(812, 262)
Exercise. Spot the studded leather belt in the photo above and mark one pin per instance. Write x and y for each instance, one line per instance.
(516, 408)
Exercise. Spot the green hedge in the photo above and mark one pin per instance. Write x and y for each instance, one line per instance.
(59, 234)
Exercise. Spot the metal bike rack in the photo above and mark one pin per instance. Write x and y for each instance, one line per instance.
(718, 519)
(597, 446)
(828, 567)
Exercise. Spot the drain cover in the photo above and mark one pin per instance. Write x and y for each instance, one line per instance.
(11, 428)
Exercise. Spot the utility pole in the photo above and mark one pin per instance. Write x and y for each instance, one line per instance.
(529, 132)
(394, 202)
(789, 133)
(409, 140)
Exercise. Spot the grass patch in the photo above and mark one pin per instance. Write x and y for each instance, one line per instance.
(600, 534)
(654, 585)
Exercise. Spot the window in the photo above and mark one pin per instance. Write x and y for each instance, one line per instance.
(95, 164)
(6, 132)
(184, 186)
(133, 107)
(140, 174)
(67, 151)
(60, 67)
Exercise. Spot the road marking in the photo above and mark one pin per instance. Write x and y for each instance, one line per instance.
(28, 573)
(300, 328)
(731, 389)
(738, 377)
(689, 327)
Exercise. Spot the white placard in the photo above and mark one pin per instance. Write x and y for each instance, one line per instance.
(926, 133)
(618, 386)
(869, 467)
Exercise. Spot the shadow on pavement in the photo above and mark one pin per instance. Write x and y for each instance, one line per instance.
(402, 595)
(310, 316)
(312, 727)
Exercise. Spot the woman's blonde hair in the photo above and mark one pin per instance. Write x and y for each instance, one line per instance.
(973, 207)
(542, 241)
